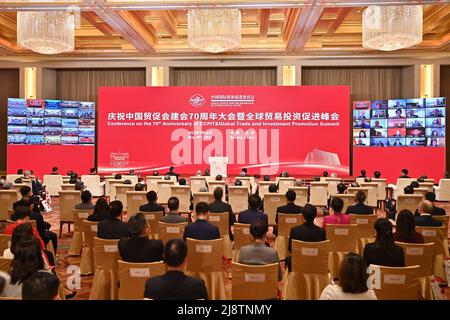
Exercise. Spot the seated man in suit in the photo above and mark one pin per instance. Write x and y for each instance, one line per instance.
(252, 214)
(86, 201)
(152, 205)
(201, 229)
(404, 174)
(425, 219)
(218, 206)
(26, 194)
(258, 253)
(175, 285)
(113, 227)
(289, 208)
(139, 248)
(173, 216)
(431, 196)
(359, 207)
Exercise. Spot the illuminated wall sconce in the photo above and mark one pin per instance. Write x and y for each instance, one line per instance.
(157, 76)
(30, 83)
(288, 75)
(426, 80)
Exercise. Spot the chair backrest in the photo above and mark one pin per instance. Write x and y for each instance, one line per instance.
(242, 236)
(421, 191)
(301, 195)
(434, 234)
(284, 184)
(168, 231)
(121, 193)
(32, 222)
(207, 197)
(263, 187)
(332, 184)
(152, 182)
(214, 184)
(106, 253)
(444, 220)
(420, 254)
(5, 242)
(204, 255)
(408, 201)
(310, 257)
(153, 219)
(254, 282)
(365, 224)
(5, 264)
(221, 221)
(381, 189)
(132, 277)
(318, 193)
(360, 180)
(183, 193)
(287, 221)
(53, 183)
(67, 186)
(396, 283)
(92, 183)
(271, 202)
(134, 200)
(372, 198)
(343, 237)
(354, 190)
(245, 182)
(79, 216)
(428, 185)
(238, 198)
(110, 187)
(164, 191)
(67, 201)
(197, 183)
(348, 199)
(133, 178)
(7, 198)
(89, 229)
(12, 177)
(402, 183)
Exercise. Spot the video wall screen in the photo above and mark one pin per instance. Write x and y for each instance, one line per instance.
(399, 123)
(50, 122)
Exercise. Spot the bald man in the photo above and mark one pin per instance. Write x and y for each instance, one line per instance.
(425, 219)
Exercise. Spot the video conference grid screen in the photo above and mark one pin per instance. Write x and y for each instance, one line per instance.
(50, 122)
(400, 122)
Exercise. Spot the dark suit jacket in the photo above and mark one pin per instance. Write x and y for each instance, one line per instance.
(173, 217)
(112, 228)
(290, 208)
(141, 249)
(220, 206)
(98, 216)
(436, 212)
(307, 232)
(175, 285)
(427, 221)
(359, 208)
(375, 254)
(249, 216)
(201, 230)
(151, 207)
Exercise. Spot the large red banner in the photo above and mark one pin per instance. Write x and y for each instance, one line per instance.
(302, 130)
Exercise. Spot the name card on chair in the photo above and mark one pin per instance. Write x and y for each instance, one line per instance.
(246, 231)
(341, 231)
(310, 251)
(412, 251)
(70, 197)
(164, 185)
(6, 196)
(238, 191)
(410, 201)
(94, 228)
(110, 248)
(395, 278)
(319, 187)
(83, 215)
(362, 221)
(290, 220)
(139, 272)
(136, 197)
(429, 233)
(150, 216)
(180, 191)
(203, 248)
(173, 229)
(254, 277)
(275, 199)
(214, 218)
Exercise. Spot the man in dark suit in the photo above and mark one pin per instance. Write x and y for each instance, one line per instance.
(425, 219)
(173, 216)
(252, 214)
(431, 196)
(405, 174)
(175, 285)
(112, 227)
(289, 208)
(152, 205)
(218, 206)
(139, 248)
(172, 172)
(201, 229)
(359, 207)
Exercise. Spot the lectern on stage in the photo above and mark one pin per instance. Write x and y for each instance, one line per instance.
(218, 165)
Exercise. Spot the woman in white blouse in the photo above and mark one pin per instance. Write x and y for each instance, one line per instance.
(352, 281)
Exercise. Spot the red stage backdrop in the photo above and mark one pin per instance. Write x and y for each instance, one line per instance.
(303, 130)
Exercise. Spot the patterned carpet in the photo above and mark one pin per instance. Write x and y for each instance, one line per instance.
(64, 261)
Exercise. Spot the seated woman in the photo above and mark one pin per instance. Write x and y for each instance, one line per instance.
(384, 251)
(101, 210)
(352, 281)
(406, 228)
(337, 204)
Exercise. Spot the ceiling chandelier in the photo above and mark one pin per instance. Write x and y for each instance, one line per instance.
(47, 32)
(390, 28)
(214, 30)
